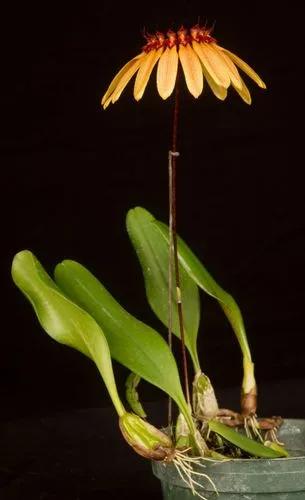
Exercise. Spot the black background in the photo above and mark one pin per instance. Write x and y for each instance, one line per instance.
(70, 171)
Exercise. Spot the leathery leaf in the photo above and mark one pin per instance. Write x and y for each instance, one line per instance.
(204, 280)
(244, 443)
(153, 253)
(63, 320)
(131, 342)
(195, 269)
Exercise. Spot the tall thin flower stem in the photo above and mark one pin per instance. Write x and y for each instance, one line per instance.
(170, 272)
(173, 248)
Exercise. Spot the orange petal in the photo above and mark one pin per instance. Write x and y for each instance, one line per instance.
(192, 69)
(245, 67)
(218, 90)
(167, 72)
(232, 70)
(146, 67)
(216, 62)
(126, 69)
(203, 55)
(107, 102)
(243, 92)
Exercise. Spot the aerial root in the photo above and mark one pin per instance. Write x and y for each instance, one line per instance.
(184, 466)
(271, 435)
(252, 427)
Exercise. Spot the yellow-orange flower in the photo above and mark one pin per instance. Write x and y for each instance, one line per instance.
(201, 58)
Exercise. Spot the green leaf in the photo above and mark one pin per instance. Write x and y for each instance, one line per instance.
(153, 252)
(204, 280)
(277, 447)
(244, 443)
(63, 320)
(132, 394)
(131, 342)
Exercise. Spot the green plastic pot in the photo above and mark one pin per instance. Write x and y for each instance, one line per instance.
(247, 479)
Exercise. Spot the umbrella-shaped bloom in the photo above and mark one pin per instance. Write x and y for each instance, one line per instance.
(201, 58)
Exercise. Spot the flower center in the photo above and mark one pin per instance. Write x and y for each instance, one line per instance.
(181, 37)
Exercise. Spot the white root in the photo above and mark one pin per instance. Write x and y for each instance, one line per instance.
(251, 427)
(184, 466)
(255, 428)
(196, 460)
(274, 437)
(246, 426)
(190, 485)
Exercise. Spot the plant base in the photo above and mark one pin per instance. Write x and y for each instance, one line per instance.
(246, 479)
